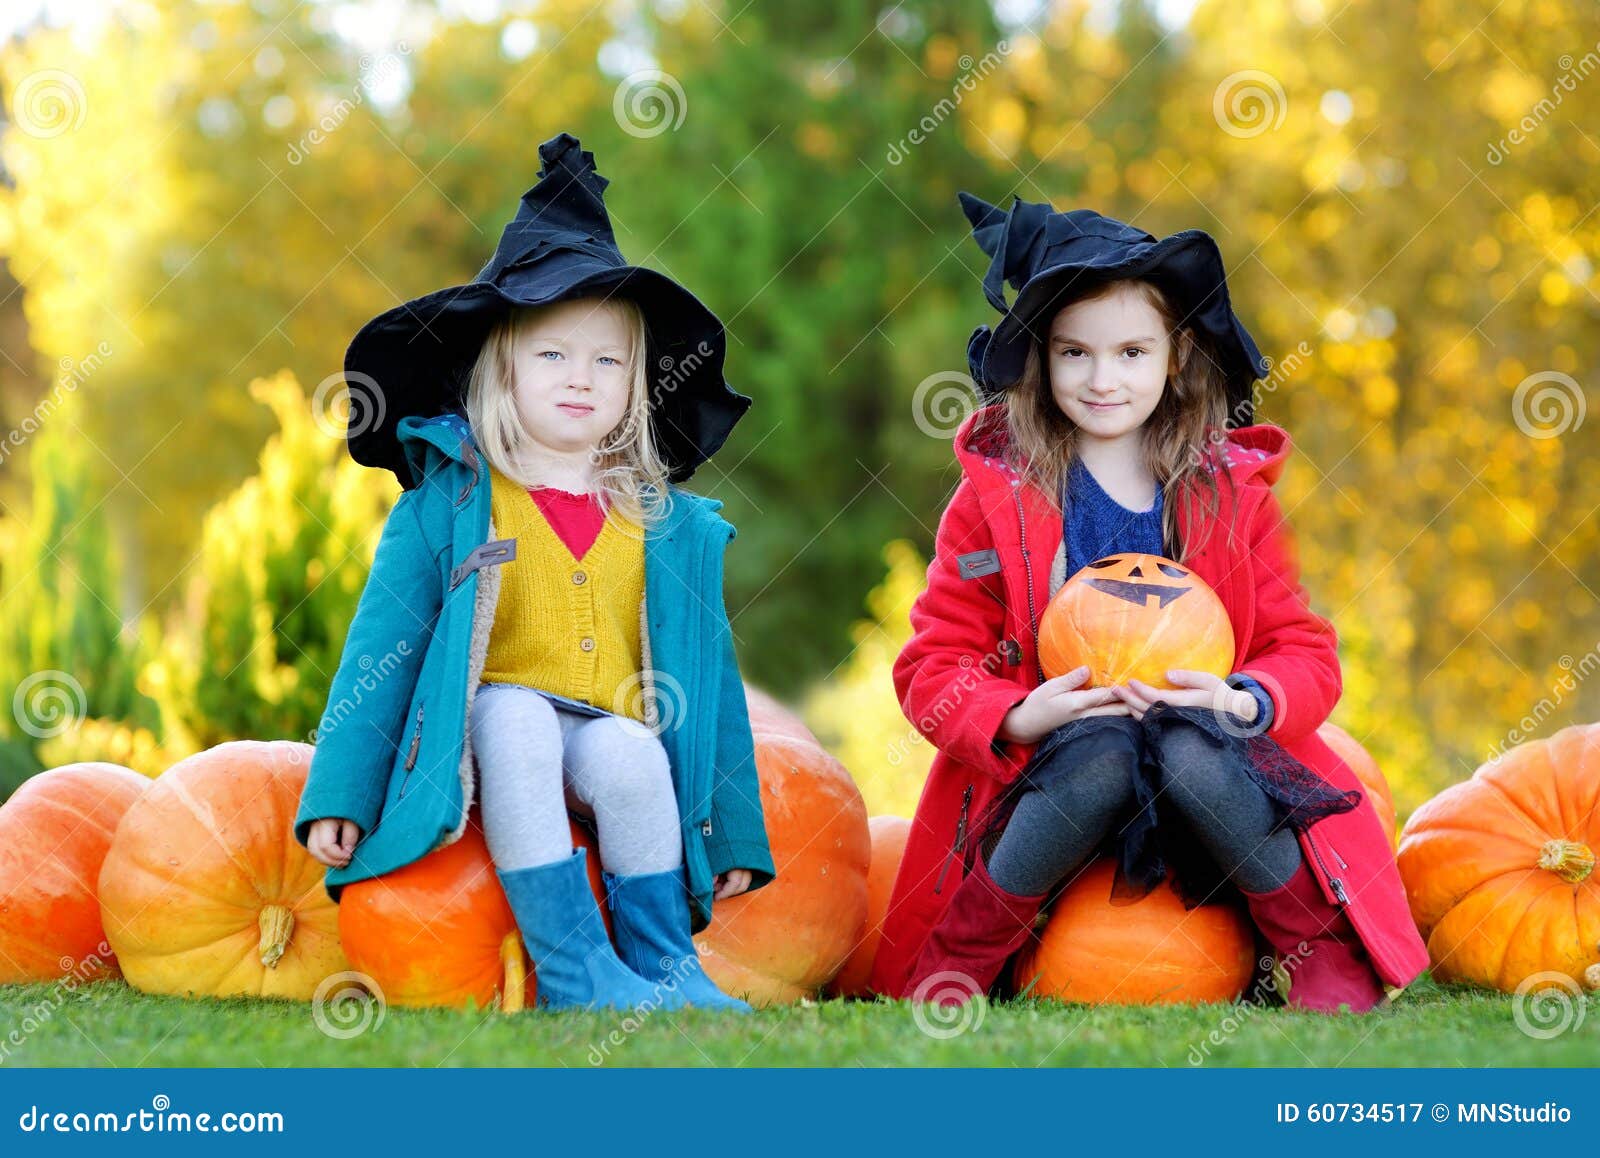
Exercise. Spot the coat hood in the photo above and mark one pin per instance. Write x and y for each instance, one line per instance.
(1251, 453)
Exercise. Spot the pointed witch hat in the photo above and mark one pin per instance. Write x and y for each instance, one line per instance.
(1050, 258)
(415, 358)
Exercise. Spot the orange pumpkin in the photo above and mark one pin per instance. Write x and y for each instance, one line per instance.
(771, 717)
(788, 939)
(1499, 869)
(54, 832)
(888, 834)
(439, 931)
(1149, 951)
(1350, 750)
(1135, 616)
(205, 890)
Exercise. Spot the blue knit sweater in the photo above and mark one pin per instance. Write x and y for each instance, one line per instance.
(1096, 525)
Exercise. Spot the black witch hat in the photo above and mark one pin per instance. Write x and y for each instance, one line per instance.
(1050, 258)
(415, 358)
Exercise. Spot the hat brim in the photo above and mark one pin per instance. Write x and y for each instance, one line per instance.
(416, 358)
(1187, 265)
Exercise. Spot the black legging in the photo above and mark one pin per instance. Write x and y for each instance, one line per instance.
(1069, 804)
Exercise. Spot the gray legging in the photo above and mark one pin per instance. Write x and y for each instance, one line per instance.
(536, 758)
(1058, 824)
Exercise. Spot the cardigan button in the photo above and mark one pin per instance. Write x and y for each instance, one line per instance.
(579, 578)
(587, 643)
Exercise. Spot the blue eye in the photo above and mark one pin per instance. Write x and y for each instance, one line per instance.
(609, 358)
(549, 353)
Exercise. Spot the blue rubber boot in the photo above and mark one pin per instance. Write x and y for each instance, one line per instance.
(650, 914)
(573, 959)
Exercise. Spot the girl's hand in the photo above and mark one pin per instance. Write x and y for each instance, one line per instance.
(730, 884)
(332, 840)
(1055, 702)
(1196, 689)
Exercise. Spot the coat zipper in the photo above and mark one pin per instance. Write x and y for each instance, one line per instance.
(416, 743)
(1334, 882)
(1027, 565)
(961, 840)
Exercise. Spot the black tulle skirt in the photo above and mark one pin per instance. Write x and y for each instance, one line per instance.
(1156, 841)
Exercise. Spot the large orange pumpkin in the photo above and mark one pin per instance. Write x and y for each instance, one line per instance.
(54, 832)
(769, 716)
(889, 834)
(1351, 751)
(788, 939)
(439, 931)
(205, 890)
(1499, 869)
(1149, 951)
(1135, 616)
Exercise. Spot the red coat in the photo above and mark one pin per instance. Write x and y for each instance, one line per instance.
(956, 682)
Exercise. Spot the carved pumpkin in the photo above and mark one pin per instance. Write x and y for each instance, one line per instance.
(54, 832)
(439, 931)
(1149, 951)
(1499, 869)
(788, 939)
(1135, 616)
(1349, 749)
(889, 834)
(205, 889)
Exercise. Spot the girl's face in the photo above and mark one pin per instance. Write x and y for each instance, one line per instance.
(1108, 362)
(572, 374)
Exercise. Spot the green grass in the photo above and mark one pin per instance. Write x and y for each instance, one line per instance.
(109, 1024)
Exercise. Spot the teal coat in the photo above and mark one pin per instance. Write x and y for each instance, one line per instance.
(391, 750)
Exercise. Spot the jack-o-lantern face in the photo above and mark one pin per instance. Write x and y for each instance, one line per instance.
(1124, 576)
(1135, 616)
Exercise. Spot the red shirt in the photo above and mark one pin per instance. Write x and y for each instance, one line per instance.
(576, 519)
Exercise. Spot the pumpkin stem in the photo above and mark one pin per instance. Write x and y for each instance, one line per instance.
(277, 926)
(1570, 860)
(516, 973)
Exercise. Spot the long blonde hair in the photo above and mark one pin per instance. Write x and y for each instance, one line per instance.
(630, 475)
(1190, 416)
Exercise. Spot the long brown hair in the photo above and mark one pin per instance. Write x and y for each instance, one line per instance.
(1190, 416)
